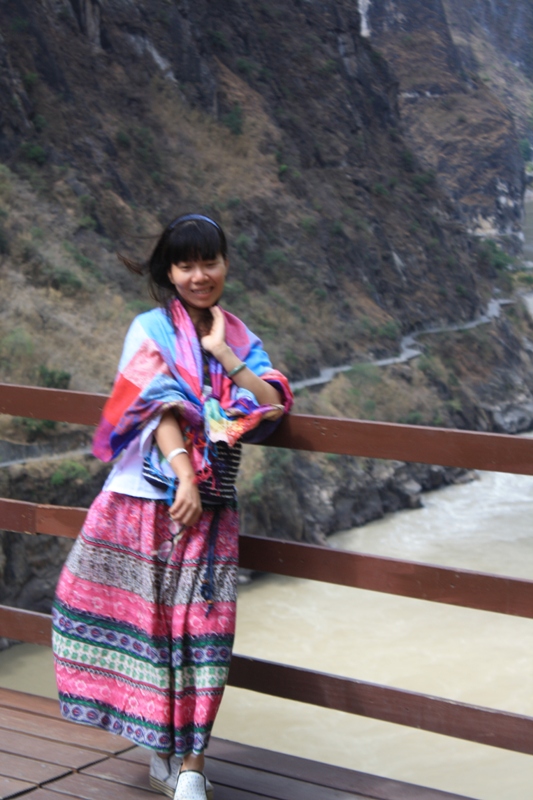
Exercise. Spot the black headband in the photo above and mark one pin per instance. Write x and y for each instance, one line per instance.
(188, 217)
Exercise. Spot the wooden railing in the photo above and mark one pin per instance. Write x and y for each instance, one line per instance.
(466, 588)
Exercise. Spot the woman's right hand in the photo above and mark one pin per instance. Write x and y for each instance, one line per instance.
(187, 506)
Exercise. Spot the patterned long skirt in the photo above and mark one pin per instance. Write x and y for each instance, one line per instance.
(136, 652)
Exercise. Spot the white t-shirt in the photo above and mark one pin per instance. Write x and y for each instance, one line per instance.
(126, 477)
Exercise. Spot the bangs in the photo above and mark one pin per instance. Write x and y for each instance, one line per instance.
(194, 240)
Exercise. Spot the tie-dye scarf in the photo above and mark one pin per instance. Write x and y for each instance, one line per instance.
(162, 367)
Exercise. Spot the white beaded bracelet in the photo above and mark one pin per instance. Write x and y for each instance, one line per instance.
(174, 453)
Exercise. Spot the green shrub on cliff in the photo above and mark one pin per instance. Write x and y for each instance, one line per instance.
(68, 472)
(494, 256)
(54, 378)
(234, 120)
(526, 149)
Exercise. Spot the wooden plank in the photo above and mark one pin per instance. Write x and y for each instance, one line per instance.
(45, 706)
(10, 787)
(59, 405)
(26, 626)
(47, 794)
(136, 774)
(231, 793)
(458, 587)
(63, 521)
(29, 769)
(87, 787)
(450, 718)
(222, 793)
(279, 787)
(137, 755)
(225, 775)
(121, 771)
(62, 731)
(346, 780)
(64, 755)
(17, 515)
(326, 775)
(24, 517)
(469, 449)
(449, 447)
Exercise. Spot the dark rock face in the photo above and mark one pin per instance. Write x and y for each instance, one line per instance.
(455, 123)
(511, 418)
(305, 499)
(508, 25)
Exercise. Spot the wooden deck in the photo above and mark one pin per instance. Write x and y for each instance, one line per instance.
(42, 757)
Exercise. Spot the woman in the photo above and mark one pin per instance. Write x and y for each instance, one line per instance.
(144, 616)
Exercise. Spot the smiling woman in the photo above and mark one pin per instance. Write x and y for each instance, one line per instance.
(144, 616)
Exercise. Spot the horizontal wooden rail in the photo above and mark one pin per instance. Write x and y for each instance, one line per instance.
(58, 405)
(434, 714)
(375, 573)
(24, 517)
(26, 626)
(454, 448)
(420, 581)
(494, 452)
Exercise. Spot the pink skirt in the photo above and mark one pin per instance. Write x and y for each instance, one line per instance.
(138, 650)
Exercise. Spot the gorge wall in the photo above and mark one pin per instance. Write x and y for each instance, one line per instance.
(457, 124)
(282, 121)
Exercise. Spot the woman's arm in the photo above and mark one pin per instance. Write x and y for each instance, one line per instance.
(187, 507)
(215, 343)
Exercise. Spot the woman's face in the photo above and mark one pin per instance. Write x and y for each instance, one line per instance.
(199, 283)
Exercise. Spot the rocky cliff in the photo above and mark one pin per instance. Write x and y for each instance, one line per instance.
(494, 42)
(507, 26)
(460, 128)
(282, 121)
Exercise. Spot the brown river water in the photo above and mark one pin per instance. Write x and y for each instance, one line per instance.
(462, 654)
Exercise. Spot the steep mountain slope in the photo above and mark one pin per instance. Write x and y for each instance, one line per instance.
(456, 124)
(279, 120)
(507, 26)
(494, 41)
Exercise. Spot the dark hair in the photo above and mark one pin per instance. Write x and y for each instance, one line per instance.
(188, 237)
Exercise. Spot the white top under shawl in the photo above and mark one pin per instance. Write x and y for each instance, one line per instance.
(126, 477)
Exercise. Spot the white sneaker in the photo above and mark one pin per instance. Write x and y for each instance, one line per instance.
(164, 776)
(191, 785)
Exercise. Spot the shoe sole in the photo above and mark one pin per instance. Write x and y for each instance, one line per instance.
(164, 788)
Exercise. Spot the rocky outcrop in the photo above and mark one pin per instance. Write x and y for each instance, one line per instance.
(317, 496)
(455, 123)
(494, 42)
(507, 26)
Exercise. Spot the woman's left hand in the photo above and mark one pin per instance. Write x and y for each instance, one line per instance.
(215, 340)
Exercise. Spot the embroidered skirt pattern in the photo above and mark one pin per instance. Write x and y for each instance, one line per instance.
(136, 652)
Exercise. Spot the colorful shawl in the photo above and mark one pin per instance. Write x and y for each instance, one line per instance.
(162, 367)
